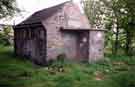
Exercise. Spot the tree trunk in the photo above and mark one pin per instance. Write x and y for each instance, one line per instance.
(116, 44)
(128, 43)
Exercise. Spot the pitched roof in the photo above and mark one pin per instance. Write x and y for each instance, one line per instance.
(42, 14)
(75, 19)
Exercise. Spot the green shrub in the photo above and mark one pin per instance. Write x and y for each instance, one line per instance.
(3, 39)
(5, 35)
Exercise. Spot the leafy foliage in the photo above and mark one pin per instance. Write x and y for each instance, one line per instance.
(8, 8)
(5, 35)
(117, 16)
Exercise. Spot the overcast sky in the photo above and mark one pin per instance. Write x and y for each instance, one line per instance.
(30, 6)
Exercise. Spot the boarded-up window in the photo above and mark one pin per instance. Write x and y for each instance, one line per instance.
(32, 34)
(24, 34)
(28, 33)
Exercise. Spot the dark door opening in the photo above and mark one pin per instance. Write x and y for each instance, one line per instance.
(83, 45)
(76, 44)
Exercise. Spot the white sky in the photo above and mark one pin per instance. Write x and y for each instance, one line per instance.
(30, 6)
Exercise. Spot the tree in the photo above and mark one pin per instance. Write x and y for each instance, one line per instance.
(8, 8)
(100, 13)
(118, 16)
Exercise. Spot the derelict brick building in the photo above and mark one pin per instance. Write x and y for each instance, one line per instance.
(61, 29)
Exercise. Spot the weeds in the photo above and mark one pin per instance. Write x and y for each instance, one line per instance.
(113, 71)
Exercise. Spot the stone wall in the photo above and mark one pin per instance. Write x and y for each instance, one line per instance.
(75, 19)
(54, 38)
(96, 47)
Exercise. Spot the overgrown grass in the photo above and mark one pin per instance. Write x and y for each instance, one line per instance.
(113, 71)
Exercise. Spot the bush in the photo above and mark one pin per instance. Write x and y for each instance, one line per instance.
(5, 35)
(3, 39)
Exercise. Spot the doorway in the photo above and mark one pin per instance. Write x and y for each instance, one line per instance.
(76, 44)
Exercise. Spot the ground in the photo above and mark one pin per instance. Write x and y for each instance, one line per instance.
(113, 71)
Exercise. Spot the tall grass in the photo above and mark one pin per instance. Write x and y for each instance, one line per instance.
(113, 71)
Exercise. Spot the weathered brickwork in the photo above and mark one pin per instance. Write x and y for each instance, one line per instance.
(62, 29)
